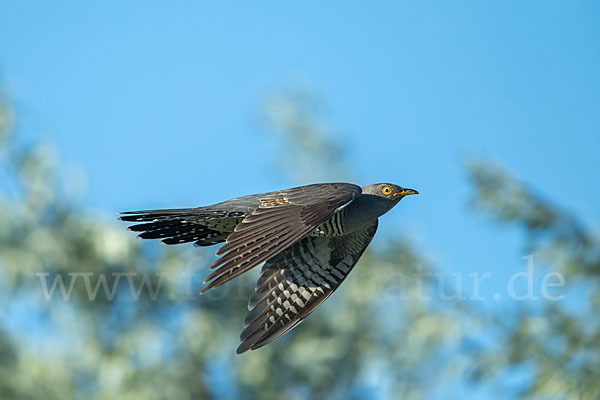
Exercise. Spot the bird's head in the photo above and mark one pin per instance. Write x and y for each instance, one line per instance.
(388, 191)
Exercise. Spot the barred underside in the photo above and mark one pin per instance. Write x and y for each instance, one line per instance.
(334, 226)
(293, 283)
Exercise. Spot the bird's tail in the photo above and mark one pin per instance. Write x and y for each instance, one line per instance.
(175, 226)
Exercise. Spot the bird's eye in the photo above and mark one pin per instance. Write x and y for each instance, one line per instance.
(386, 190)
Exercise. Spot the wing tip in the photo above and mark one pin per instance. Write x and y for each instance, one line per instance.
(209, 285)
(242, 349)
(249, 342)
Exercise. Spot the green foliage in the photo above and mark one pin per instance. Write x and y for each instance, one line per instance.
(560, 341)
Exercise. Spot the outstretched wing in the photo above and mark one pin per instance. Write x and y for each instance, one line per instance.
(281, 219)
(294, 282)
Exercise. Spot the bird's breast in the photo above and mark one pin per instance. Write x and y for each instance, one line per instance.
(333, 227)
(362, 211)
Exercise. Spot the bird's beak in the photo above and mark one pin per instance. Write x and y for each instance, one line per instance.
(406, 192)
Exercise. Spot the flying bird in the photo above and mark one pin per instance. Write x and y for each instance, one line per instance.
(309, 237)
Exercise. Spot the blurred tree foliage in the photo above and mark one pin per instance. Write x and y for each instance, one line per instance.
(382, 334)
(560, 340)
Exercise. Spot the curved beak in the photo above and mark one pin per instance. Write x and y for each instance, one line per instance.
(406, 192)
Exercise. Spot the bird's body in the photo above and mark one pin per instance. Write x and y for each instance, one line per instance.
(309, 237)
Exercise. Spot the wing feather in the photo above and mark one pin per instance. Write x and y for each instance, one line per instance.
(295, 282)
(282, 218)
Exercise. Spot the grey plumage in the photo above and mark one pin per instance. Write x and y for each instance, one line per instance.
(309, 237)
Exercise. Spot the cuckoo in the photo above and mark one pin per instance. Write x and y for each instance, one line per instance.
(309, 238)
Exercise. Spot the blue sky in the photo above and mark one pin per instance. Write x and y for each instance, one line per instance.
(160, 104)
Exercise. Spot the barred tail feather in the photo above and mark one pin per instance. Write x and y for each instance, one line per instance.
(175, 226)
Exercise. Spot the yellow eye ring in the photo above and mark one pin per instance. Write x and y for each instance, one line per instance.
(386, 190)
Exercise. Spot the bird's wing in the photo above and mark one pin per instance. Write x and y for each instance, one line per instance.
(293, 283)
(282, 218)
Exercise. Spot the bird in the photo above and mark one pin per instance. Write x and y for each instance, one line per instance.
(308, 237)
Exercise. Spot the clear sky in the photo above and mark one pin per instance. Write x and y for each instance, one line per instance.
(159, 102)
